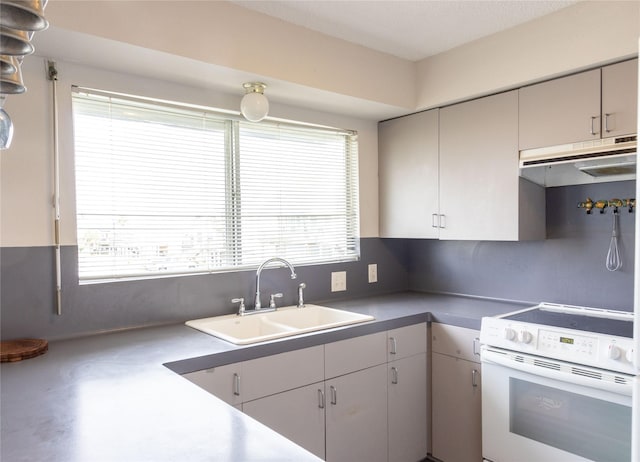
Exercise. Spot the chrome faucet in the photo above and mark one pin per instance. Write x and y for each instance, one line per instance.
(258, 305)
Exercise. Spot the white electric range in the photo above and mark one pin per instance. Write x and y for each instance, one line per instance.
(557, 384)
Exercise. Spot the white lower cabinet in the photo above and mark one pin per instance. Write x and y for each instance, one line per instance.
(407, 408)
(359, 399)
(356, 416)
(456, 394)
(297, 414)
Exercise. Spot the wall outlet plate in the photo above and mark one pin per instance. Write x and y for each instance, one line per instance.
(338, 281)
(373, 273)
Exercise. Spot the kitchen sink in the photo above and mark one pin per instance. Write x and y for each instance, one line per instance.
(284, 322)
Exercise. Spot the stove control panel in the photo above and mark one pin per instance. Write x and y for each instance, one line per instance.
(596, 350)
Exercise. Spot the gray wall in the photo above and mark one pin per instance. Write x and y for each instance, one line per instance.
(567, 267)
(27, 292)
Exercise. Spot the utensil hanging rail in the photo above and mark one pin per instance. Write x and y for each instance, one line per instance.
(601, 205)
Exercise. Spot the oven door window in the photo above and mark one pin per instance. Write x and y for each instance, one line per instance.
(592, 428)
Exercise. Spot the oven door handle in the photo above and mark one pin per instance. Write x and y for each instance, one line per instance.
(494, 357)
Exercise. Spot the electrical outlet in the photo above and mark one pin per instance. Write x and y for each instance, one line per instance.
(373, 272)
(338, 281)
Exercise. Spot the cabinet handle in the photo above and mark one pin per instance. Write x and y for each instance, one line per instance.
(236, 384)
(592, 129)
(474, 378)
(435, 223)
(394, 375)
(606, 123)
(320, 399)
(443, 221)
(334, 394)
(394, 346)
(476, 350)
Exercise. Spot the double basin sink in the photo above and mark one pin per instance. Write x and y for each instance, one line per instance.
(284, 322)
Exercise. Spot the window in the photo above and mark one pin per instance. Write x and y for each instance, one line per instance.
(164, 189)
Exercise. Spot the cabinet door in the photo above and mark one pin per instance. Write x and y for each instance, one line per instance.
(408, 175)
(407, 341)
(356, 416)
(297, 414)
(222, 381)
(479, 172)
(407, 409)
(281, 372)
(620, 98)
(560, 111)
(456, 409)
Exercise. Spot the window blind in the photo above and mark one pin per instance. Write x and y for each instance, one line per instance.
(162, 189)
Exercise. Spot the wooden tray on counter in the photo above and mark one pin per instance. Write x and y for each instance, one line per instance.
(17, 350)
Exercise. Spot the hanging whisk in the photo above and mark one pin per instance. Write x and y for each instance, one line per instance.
(614, 263)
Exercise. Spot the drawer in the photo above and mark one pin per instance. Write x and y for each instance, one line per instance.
(355, 354)
(222, 381)
(406, 341)
(285, 371)
(455, 341)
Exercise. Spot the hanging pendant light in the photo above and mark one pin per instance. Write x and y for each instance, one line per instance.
(254, 105)
(8, 64)
(6, 127)
(25, 15)
(11, 84)
(15, 42)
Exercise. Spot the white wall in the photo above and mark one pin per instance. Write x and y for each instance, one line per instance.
(26, 168)
(584, 35)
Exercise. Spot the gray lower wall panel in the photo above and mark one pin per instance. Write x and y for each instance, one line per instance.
(27, 291)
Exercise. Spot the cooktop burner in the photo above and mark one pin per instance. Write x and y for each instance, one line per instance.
(594, 320)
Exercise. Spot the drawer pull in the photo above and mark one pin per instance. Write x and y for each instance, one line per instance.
(236, 384)
(394, 375)
(393, 345)
(334, 395)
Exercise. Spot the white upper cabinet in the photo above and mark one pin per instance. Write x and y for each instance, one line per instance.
(482, 196)
(408, 175)
(587, 106)
(620, 98)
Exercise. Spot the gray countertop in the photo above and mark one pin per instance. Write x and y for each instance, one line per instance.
(109, 397)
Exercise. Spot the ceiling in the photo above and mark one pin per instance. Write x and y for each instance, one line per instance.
(411, 30)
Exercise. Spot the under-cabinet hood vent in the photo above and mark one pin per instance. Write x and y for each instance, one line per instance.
(608, 159)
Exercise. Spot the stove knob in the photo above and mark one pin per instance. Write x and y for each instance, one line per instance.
(525, 336)
(614, 352)
(629, 355)
(510, 334)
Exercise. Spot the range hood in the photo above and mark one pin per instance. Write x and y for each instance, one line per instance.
(595, 161)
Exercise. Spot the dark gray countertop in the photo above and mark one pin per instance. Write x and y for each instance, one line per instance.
(109, 398)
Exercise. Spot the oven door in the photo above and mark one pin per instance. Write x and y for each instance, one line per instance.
(535, 409)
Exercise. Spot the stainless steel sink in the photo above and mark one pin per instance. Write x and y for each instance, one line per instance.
(286, 321)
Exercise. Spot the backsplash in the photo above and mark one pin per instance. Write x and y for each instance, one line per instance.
(27, 292)
(568, 267)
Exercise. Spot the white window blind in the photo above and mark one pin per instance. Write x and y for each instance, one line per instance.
(162, 189)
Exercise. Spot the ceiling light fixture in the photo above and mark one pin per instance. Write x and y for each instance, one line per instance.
(254, 105)
(6, 126)
(25, 15)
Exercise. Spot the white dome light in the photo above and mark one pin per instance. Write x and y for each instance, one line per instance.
(254, 105)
